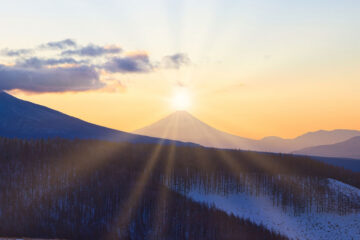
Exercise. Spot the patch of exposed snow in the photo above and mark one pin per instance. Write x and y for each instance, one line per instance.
(346, 189)
(313, 225)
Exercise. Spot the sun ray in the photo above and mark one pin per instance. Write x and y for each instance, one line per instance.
(235, 166)
(167, 175)
(135, 195)
(82, 163)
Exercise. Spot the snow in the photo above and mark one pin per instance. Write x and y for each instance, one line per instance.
(313, 225)
(346, 189)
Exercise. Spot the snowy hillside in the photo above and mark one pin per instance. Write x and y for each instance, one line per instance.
(312, 225)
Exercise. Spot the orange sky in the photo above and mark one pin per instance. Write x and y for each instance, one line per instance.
(254, 70)
(249, 110)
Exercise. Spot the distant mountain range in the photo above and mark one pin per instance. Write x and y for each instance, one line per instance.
(27, 120)
(346, 149)
(183, 126)
(22, 119)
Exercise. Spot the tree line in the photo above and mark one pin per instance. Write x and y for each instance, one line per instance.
(88, 189)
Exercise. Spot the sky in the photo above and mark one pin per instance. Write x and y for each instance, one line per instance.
(251, 68)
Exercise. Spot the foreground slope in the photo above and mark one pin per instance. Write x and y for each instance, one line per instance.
(310, 225)
(24, 119)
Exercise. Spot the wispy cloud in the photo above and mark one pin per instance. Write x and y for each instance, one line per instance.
(63, 44)
(15, 52)
(92, 50)
(175, 61)
(138, 63)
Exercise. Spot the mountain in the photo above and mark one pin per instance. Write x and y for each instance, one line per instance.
(27, 120)
(310, 139)
(346, 149)
(182, 126)
(24, 119)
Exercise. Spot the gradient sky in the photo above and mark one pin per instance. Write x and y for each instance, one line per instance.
(251, 68)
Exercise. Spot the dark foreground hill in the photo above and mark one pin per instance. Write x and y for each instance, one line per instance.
(86, 189)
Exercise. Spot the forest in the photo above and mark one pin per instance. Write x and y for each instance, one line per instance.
(90, 189)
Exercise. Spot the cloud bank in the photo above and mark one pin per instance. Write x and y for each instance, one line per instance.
(73, 67)
(81, 78)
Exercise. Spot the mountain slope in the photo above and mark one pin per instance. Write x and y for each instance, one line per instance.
(184, 127)
(312, 225)
(24, 119)
(346, 149)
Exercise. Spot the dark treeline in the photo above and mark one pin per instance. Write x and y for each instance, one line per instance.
(86, 189)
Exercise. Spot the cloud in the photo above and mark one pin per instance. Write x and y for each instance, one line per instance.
(15, 52)
(36, 62)
(92, 50)
(63, 44)
(73, 67)
(175, 61)
(81, 78)
(138, 63)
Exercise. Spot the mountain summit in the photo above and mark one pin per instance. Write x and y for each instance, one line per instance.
(182, 126)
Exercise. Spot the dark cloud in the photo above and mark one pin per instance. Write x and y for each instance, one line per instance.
(63, 44)
(36, 62)
(175, 61)
(93, 51)
(49, 79)
(139, 63)
(15, 52)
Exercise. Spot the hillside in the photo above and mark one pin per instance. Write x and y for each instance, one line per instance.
(23, 119)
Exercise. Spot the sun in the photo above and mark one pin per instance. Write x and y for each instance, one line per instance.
(181, 100)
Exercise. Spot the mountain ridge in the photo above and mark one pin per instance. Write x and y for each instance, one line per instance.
(181, 125)
(23, 119)
(346, 149)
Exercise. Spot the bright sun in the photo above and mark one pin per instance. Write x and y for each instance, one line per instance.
(181, 100)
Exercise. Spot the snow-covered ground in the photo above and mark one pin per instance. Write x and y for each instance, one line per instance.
(313, 226)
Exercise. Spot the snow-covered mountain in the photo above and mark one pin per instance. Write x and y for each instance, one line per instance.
(346, 149)
(182, 126)
(23, 119)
